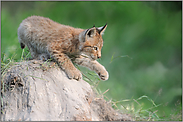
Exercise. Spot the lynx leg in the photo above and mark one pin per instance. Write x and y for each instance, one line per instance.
(65, 63)
(93, 65)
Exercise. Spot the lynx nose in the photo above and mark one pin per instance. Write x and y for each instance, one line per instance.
(98, 56)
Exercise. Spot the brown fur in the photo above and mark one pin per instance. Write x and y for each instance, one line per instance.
(46, 38)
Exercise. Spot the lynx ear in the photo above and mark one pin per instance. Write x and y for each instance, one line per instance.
(90, 32)
(102, 29)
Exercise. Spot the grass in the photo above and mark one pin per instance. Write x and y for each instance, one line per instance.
(138, 112)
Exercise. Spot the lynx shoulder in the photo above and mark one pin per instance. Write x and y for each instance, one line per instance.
(65, 44)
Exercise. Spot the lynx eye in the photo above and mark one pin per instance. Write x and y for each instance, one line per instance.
(95, 48)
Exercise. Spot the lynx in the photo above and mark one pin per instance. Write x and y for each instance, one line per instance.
(46, 39)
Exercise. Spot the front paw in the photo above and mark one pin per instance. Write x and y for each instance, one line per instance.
(103, 74)
(74, 74)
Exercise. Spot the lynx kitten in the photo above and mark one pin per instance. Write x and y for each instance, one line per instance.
(48, 39)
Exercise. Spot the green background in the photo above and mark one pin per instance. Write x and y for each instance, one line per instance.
(142, 48)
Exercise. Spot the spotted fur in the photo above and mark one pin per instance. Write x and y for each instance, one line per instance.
(46, 38)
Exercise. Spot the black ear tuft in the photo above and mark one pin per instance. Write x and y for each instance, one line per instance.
(102, 29)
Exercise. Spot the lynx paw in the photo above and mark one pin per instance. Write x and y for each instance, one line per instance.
(74, 74)
(103, 74)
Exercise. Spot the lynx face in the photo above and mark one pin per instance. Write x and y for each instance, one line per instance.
(93, 42)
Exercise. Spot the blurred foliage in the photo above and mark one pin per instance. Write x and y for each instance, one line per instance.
(142, 44)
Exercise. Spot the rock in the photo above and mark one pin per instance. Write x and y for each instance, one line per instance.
(40, 91)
